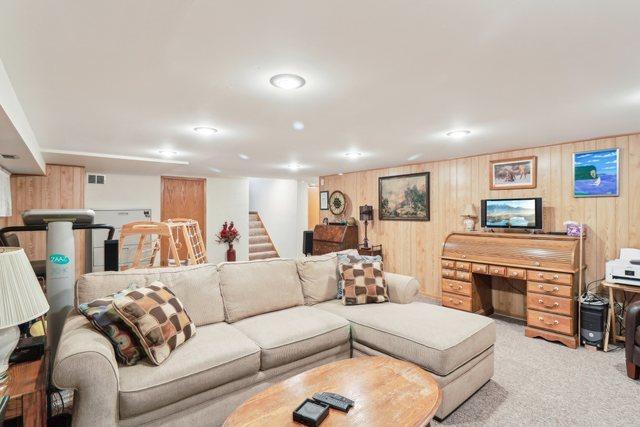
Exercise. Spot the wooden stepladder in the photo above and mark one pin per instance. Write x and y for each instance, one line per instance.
(153, 235)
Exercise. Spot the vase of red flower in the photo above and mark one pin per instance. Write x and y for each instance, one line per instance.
(228, 234)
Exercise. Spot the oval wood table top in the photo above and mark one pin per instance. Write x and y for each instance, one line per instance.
(386, 392)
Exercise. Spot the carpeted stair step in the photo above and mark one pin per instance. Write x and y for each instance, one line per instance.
(262, 255)
(257, 232)
(255, 224)
(255, 240)
(261, 247)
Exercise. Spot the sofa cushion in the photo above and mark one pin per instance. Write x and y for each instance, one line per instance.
(218, 354)
(157, 318)
(319, 277)
(255, 287)
(437, 338)
(197, 286)
(292, 334)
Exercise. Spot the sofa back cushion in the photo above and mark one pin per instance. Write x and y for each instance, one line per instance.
(197, 286)
(250, 288)
(319, 277)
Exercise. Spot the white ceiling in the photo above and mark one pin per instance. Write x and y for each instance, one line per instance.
(386, 78)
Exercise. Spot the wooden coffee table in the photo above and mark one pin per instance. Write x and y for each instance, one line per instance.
(386, 392)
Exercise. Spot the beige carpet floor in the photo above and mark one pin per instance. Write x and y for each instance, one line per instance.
(542, 383)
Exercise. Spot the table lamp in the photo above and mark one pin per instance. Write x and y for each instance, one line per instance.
(366, 215)
(469, 213)
(21, 300)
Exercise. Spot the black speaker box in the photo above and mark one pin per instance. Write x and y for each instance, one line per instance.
(307, 242)
(111, 262)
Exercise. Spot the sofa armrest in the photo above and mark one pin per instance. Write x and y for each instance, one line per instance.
(86, 362)
(632, 322)
(402, 289)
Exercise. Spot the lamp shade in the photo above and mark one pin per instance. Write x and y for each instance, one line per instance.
(469, 210)
(366, 213)
(21, 297)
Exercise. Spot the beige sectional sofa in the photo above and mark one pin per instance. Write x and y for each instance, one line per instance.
(258, 323)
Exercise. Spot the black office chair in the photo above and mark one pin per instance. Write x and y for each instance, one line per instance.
(39, 266)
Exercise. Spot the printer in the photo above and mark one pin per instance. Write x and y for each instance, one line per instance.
(626, 269)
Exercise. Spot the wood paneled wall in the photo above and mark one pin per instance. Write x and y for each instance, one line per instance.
(61, 188)
(414, 247)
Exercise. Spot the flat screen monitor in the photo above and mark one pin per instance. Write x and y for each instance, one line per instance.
(512, 213)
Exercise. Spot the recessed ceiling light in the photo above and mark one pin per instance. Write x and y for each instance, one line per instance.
(205, 130)
(298, 125)
(287, 81)
(293, 166)
(340, 174)
(353, 155)
(414, 157)
(216, 170)
(460, 133)
(243, 156)
(167, 153)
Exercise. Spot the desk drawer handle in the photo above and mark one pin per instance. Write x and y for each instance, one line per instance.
(464, 256)
(537, 263)
(554, 323)
(555, 304)
(495, 270)
(515, 273)
(451, 286)
(455, 302)
(556, 277)
(555, 289)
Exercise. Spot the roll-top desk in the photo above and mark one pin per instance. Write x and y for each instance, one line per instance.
(549, 264)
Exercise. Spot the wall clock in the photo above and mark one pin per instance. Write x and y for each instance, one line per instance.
(337, 203)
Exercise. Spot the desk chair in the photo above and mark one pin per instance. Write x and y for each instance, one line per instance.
(632, 340)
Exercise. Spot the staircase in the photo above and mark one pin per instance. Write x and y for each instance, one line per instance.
(260, 244)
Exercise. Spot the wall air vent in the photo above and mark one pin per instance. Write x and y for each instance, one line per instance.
(93, 178)
(9, 156)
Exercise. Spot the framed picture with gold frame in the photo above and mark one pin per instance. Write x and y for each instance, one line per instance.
(513, 174)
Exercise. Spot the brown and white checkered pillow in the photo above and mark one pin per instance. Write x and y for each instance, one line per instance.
(363, 283)
(157, 317)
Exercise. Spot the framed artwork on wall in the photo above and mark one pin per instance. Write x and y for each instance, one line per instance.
(513, 174)
(324, 200)
(404, 197)
(596, 173)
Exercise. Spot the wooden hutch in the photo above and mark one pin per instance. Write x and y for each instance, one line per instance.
(550, 265)
(334, 238)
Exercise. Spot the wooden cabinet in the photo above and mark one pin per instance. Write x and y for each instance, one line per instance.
(334, 238)
(549, 265)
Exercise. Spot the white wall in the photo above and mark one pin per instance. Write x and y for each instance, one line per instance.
(227, 200)
(281, 205)
(125, 192)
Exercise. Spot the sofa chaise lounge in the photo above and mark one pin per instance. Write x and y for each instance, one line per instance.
(258, 323)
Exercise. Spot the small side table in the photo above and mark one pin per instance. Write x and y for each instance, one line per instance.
(28, 392)
(611, 318)
(372, 250)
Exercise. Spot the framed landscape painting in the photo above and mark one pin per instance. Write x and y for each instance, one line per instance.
(404, 197)
(596, 173)
(513, 174)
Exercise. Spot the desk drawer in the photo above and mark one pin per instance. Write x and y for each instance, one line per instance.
(463, 266)
(496, 270)
(456, 301)
(463, 275)
(480, 268)
(449, 274)
(550, 322)
(516, 273)
(549, 277)
(462, 288)
(551, 304)
(550, 289)
(446, 263)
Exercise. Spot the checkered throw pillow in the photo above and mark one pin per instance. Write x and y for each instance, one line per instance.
(363, 283)
(157, 317)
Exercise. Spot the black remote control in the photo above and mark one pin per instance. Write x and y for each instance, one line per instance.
(334, 400)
